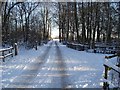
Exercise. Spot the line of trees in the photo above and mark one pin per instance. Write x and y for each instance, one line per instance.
(79, 22)
(27, 23)
(89, 22)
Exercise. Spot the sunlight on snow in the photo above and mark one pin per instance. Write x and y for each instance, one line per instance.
(53, 75)
(84, 86)
(79, 68)
(58, 62)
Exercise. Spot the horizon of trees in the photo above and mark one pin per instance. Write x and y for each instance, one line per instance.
(30, 23)
(27, 23)
(89, 22)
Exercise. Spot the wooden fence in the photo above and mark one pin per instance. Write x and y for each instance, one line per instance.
(109, 66)
(6, 52)
(79, 47)
(104, 49)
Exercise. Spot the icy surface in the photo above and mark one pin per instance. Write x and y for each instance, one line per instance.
(53, 66)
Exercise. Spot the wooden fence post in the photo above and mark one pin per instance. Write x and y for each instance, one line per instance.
(105, 87)
(11, 52)
(3, 55)
(119, 66)
(16, 49)
(36, 45)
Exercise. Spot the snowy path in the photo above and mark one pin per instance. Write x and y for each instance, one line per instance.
(54, 66)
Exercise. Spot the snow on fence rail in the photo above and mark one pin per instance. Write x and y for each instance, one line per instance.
(6, 52)
(105, 49)
(79, 47)
(110, 66)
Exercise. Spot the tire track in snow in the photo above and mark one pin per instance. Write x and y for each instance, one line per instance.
(64, 80)
(25, 79)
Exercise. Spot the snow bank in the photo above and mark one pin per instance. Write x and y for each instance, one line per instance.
(13, 67)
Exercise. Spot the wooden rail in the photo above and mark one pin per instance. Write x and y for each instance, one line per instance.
(105, 49)
(6, 53)
(79, 47)
(108, 65)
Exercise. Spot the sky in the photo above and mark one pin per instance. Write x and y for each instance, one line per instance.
(66, 0)
(55, 32)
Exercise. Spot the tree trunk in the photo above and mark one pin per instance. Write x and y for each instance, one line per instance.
(119, 22)
(76, 21)
(108, 34)
(83, 25)
(68, 16)
(59, 21)
(88, 23)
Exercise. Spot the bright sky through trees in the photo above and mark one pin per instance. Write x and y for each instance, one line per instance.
(55, 32)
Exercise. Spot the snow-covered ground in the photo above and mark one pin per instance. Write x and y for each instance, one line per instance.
(87, 68)
(0, 69)
(53, 66)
